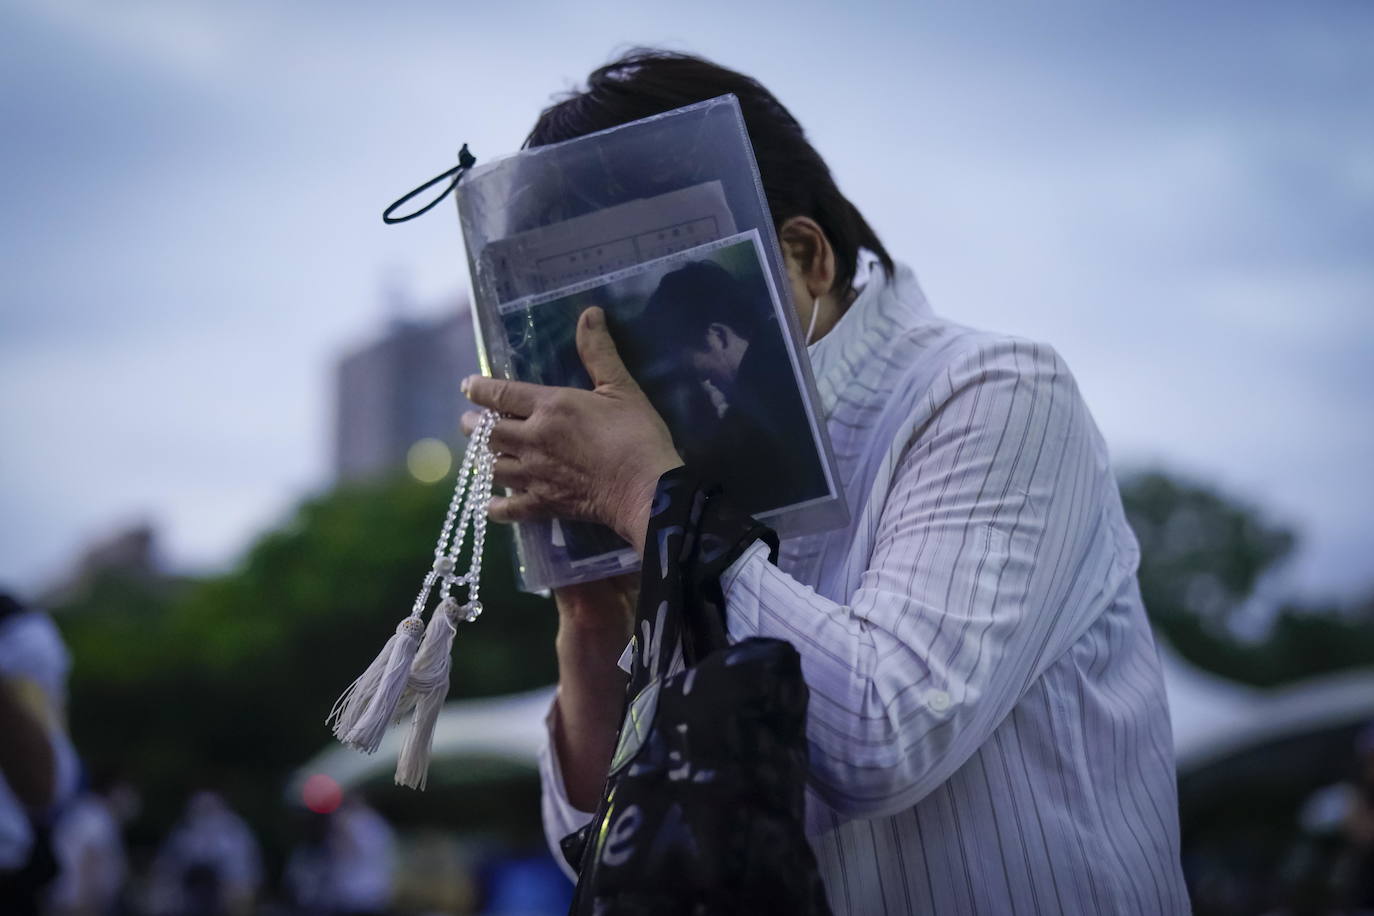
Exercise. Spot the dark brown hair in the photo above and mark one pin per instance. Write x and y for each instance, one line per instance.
(699, 294)
(796, 180)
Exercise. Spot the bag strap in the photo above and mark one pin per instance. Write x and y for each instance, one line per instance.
(694, 534)
(658, 614)
(722, 534)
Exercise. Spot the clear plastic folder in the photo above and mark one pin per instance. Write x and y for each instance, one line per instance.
(663, 224)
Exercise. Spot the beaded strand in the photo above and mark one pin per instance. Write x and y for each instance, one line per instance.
(467, 508)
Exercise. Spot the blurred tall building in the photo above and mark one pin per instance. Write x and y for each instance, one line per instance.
(400, 390)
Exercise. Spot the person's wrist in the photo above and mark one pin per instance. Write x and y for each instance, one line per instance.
(632, 517)
(603, 604)
(590, 617)
(592, 633)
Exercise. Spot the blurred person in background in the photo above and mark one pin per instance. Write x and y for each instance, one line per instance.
(88, 841)
(37, 764)
(307, 879)
(209, 865)
(346, 864)
(1330, 869)
(1358, 867)
(365, 855)
(435, 875)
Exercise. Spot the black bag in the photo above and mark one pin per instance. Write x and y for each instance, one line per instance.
(702, 810)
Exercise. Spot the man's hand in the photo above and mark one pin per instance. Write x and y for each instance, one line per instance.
(586, 455)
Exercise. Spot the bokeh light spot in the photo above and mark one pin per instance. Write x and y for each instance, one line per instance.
(321, 794)
(429, 460)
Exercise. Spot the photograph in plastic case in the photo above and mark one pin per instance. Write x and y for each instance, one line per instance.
(702, 332)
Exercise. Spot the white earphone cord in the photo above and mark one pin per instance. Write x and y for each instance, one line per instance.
(815, 311)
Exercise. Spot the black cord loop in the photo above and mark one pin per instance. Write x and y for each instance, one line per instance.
(465, 162)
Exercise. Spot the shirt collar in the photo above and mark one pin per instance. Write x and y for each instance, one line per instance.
(885, 307)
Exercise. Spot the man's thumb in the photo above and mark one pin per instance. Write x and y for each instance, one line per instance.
(598, 352)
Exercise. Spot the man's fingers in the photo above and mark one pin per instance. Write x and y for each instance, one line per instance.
(597, 349)
(518, 507)
(519, 399)
(506, 472)
(507, 434)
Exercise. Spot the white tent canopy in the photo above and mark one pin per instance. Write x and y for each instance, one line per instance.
(1212, 719)
(509, 728)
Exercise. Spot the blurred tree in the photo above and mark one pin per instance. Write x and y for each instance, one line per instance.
(228, 681)
(1202, 557)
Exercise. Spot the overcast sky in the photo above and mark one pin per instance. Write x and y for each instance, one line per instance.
(1179, 197)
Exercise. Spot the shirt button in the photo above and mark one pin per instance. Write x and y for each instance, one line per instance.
(937, 700)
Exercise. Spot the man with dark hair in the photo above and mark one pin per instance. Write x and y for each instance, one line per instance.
(796, 180)
(987, 726)
(736, 351)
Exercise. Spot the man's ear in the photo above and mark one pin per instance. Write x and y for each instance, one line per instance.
(808, 254)
(717, 336)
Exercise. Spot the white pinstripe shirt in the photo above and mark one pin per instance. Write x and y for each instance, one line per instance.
(988, 725)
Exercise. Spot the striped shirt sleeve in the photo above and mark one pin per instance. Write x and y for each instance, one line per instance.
(966, 597)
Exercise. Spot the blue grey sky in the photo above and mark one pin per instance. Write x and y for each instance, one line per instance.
(1180, 197)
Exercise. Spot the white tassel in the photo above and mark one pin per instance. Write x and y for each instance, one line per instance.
(349, 707)
(427, 690)
(411, 673)
(369, 706)
(433, 658)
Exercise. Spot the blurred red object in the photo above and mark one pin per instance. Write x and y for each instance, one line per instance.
(321, 794)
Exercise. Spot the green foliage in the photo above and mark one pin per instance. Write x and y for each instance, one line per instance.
(227, 681)
(1202, 557)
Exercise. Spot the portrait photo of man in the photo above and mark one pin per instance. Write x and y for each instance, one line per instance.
(732, 347)
(702, 331)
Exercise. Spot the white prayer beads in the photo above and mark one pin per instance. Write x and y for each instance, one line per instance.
(411, 675)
